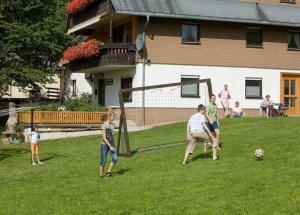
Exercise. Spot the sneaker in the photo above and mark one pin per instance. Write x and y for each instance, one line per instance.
(40, 162)
(33, 164)
(216, 158)
(108, 174)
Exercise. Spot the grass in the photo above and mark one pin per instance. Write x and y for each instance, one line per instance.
(155, 182)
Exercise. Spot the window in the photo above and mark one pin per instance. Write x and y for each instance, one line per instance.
(254, 37)
(190, 33)
(126, 82)
(74, 88)
(293, 40)
(288, 1)
(191, 90)
(253, 88)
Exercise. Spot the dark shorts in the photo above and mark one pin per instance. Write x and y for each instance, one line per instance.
(264, 108)
(212, 126)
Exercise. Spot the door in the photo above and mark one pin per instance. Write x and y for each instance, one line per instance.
(122, 34)
(290, 93)
(101, 92)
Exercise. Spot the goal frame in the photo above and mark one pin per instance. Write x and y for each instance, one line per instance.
(123, 123)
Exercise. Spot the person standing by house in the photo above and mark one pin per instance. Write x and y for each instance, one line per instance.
(108, 145)
(213, 122)
(224, 95)
(197, 130)
(34, 137)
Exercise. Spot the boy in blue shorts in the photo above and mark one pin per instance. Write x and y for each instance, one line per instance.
(213, 122)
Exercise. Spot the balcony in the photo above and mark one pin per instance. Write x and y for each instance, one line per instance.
(89, 16)
(112, 56)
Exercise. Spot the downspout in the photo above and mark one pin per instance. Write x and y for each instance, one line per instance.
(144, 71)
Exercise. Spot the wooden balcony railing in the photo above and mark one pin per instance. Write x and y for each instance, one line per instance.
(63, 117)
(97, 8)
(110, 54)
(53, 93)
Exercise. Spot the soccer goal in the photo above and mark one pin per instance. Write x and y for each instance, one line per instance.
(154, 117)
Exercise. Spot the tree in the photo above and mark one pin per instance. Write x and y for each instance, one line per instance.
(32, 39)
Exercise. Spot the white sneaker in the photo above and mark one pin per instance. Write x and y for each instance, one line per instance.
(33, 164)
(40, 162)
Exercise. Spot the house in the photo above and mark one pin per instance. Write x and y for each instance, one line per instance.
(14, 94)
(253, 46)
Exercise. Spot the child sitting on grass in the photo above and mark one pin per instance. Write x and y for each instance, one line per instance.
(108, 145)
(34, 137)
(237, 110)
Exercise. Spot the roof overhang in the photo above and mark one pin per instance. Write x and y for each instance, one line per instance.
(212, 10)
(84, 24)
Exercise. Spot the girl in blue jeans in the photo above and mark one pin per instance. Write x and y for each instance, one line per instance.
(108, 145)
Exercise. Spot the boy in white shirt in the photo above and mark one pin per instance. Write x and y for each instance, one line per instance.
(34, 137)
(198, 130)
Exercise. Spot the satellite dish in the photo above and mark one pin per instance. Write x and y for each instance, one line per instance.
(139, 43)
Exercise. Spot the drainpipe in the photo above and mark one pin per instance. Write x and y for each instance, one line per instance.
(144, 70)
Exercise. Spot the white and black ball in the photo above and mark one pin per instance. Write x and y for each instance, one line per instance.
(259, 154)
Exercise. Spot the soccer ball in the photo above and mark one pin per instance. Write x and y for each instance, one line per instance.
(259, 154)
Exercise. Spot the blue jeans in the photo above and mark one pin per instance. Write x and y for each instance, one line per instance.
(237, 115)
(104, 149)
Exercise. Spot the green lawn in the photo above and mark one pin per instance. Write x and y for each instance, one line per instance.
(155, 182)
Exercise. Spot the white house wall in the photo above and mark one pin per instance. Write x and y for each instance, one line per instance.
(233, 76)
(162, 74)
(112, 91)
(82, 85)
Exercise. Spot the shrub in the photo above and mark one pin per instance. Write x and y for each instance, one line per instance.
(86, 49)
(79, 103)
(19, 127)
(75, 6)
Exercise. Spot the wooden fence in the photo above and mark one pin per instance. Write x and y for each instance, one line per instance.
(63, 117)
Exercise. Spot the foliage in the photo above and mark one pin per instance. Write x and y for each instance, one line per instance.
(82, 103)
(32, 38)
(19, 127)
(79, 103)
(75, 6)
(155, 182)
(86, 49)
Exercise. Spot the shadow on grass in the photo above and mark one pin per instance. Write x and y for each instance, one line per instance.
(121, 171)
(6, 153)
(153, 148)
(49, 156)
(202, 156)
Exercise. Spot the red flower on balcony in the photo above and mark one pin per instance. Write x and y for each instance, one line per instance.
(86, 49)
(74, 6)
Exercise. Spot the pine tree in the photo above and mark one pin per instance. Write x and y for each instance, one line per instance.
(32, 39)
